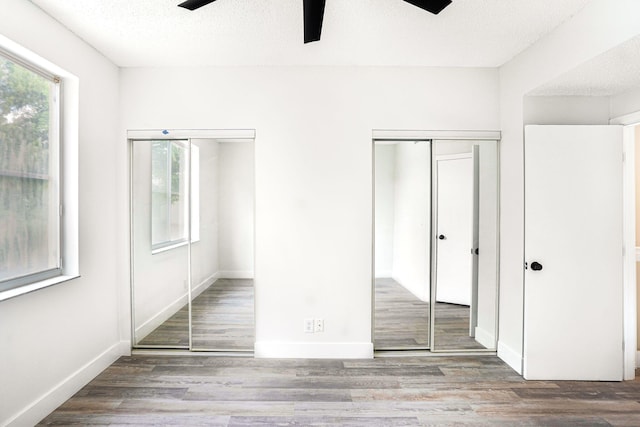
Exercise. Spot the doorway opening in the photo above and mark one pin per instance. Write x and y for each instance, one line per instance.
(192, 228)
(435, 205)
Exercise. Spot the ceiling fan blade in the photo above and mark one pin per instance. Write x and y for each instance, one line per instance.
(433, 6)
(195, 4)
(313, 15)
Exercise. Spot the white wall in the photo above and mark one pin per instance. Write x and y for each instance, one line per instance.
(54, 340)
(600, 26)
(385, 159)
(566, 110)
(205, 264)
(625, 103)
(236, 209)
(412, 218)
(313, 170)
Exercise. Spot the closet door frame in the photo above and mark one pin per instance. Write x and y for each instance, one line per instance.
(169, 134)
(381, 135)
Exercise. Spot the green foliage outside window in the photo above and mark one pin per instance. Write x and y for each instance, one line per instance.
(27, 234)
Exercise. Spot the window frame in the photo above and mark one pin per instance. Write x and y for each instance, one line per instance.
(185, 146)
(64, 128)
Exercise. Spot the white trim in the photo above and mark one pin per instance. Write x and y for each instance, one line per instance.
(485, 338)
(627, 119)
(313, 350)
(409, 135)
(61, 392)
(172, 308)
(510, 357)
(630, 254)
(125, 348)
(162, 316)
(638, 360)
(227, 134)
(30, 57)
(67, 123)
(25, 289)
(637, 253)
(458, 156)
(169, 247)
(204, 285)
(236, 274)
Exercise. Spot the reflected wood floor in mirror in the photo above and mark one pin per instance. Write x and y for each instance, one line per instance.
(402, 321)
(223, 319)
(222, 391)
(452, 328)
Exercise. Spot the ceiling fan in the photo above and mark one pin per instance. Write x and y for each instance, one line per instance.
(314, 13)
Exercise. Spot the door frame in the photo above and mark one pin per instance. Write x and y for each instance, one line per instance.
(435, 214)
(378, 135)
(228, 135)
(631, 353)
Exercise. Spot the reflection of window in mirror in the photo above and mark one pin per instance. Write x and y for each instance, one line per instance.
(169, 193)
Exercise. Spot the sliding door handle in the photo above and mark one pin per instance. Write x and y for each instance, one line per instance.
(536, 266)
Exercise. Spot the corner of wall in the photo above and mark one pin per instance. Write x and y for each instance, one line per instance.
(61, 392)
(510, 357)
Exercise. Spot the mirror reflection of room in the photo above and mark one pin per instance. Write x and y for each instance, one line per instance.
(465, 186)
(435, 240)
(402, 245)
(193, 244)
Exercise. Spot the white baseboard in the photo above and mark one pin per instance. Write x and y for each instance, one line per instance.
(204, 285)
(163, 315)
(312, 350)
(60, 393)
(488, 340)
(510, 357)
(235, 274)
(383, 274)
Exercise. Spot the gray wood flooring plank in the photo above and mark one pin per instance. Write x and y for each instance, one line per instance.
(470, 390)
(222, 319)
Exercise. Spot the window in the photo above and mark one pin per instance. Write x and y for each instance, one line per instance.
(30, 178)
(169, 197)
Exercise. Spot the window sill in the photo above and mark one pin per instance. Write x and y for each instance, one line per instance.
(12, 293)
(172, 246)
(169, 247)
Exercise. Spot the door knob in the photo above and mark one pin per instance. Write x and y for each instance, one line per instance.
(441, 237)
(536, 266)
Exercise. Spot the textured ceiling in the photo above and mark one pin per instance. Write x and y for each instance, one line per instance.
(478, 33)
(612, 73)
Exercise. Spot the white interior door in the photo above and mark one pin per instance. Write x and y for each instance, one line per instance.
(454, 228)
(573, 320)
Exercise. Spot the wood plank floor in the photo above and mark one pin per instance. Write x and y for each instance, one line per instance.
(223, 319)
(428, 391)
(402, 321)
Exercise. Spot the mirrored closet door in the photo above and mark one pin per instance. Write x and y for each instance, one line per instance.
(436, 243)
(192, 243)
(402, 245)
(465, 245)
(159, 243)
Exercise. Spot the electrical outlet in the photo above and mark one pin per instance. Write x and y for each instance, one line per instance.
(308, 326)
(319, 325)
